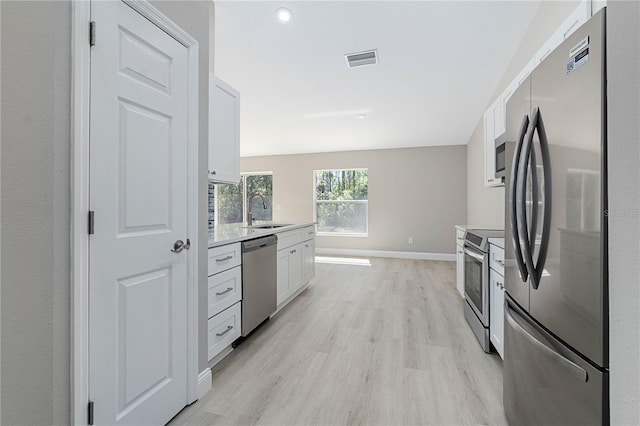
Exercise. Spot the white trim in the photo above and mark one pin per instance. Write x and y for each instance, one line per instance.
(204, 382)
(339, 234)
(80, 85)
(223, 353)
(80, 98)
(391, 254)
(290, 298)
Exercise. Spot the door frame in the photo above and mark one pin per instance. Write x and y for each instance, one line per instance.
(80, 190)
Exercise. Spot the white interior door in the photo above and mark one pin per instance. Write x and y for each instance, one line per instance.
(139, 171)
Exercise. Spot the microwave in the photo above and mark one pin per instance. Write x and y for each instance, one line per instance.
(501, 159)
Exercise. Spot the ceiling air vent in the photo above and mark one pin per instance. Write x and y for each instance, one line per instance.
(360, 59)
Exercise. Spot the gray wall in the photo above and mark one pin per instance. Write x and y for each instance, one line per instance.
(35, 79)
(35, 199)
(623, 49)
(413, 192)
(485, 205)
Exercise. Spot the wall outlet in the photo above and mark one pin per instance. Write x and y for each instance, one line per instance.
(410, 240)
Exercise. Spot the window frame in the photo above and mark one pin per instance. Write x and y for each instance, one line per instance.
(243, 179)
(315, 205)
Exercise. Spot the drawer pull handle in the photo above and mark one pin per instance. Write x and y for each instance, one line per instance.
(499, 262)
(460, 238)
(229, 328)
(460, 252)
(292, 251)
(223, 259)
(224, 292)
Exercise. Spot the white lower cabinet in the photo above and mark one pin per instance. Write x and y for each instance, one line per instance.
(308, 260)
(460, 270)
(289, 271)
(225, 289)
(460, 261)
(224, 328)
(296, 262)
(496, 311)
(224, 298)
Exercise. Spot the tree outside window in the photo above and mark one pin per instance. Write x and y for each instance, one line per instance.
(341, 201)
(231, 201)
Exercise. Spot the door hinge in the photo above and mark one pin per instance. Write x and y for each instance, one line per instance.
(91, 222)
(92, 33)
(90, 413)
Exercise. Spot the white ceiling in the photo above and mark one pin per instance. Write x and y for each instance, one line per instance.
(439, 64)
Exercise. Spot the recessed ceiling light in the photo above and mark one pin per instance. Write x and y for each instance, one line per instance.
(362, 116)
(284, 15)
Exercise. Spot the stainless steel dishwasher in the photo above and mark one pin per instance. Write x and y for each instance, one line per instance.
(259, 285)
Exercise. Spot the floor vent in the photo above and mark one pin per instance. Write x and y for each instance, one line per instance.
(360, 59)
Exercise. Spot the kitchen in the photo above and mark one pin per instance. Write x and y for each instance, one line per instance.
(478, 205)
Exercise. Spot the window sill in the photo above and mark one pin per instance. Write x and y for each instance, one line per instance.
(336, 234)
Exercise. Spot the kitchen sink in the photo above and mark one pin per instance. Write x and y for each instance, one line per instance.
(270, 225)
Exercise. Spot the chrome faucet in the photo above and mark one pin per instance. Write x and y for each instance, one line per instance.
(249, 214)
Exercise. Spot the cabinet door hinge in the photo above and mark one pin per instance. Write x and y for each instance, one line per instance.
(91, 222)
(90, 413)
(92, 33)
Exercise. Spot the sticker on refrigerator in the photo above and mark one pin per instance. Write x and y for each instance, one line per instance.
(577, 61)
(579, 46)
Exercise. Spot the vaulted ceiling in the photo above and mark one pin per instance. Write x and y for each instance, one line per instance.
(439, 64)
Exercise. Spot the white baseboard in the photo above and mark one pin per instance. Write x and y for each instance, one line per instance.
(204, 382)
(391, 254)
(223, 353)
(290, 298)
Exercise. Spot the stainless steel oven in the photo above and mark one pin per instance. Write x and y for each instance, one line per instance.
(476, 282)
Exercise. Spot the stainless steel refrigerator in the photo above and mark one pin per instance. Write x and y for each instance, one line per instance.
(556, 320)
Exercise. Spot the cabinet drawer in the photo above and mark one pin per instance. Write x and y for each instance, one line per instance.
(225, 289)
(309, 233)
(224, 328)
(224, 257)
(459, 237)
(290, 238)
(496, 259)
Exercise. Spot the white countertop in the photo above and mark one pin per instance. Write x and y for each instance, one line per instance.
(495, 241)
(480, 227)
(236, 232)
(499, 242)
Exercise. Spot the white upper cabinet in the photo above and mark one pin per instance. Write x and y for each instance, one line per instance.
(224, 132)
(489, 154)
(493, 122)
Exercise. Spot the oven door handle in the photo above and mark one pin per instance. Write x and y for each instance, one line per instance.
(473, 254)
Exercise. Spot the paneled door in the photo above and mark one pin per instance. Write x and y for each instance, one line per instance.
(139, 175)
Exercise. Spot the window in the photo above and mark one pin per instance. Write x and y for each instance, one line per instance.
(341, 201)
(231, 201)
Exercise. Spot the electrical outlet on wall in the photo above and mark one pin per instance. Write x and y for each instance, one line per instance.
(410, 240)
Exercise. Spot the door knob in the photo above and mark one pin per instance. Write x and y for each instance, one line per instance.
(180, 245)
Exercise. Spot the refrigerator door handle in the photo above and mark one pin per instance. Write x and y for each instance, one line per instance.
(512, 200)
(533, 229)
(546, 219)
(526, 243)
(575, 369)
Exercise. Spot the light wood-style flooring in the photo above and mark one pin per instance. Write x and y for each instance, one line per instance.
(385, 344)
